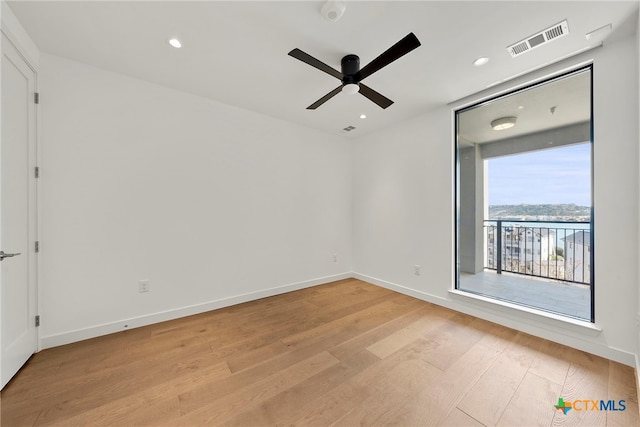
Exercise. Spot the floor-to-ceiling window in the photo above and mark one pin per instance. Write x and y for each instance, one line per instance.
(525, 215)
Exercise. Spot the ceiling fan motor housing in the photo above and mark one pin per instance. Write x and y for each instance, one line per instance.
(350, 66)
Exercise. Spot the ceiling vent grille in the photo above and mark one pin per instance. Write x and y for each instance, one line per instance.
(543, 37)
(348, 129)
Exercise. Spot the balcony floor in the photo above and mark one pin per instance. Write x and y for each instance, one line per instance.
(563, 298)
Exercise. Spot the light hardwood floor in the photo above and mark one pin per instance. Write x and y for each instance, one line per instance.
(346, 353)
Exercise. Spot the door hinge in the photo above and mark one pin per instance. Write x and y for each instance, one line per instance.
(37, 246)
(37, 172)
(37, 321)
(36, 97)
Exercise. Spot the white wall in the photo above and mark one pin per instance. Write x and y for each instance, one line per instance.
(404, 206)
(211, 203)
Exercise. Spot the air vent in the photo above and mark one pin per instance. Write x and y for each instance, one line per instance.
(348, 129)
(543, 37)
(519, 48)
(554, 32)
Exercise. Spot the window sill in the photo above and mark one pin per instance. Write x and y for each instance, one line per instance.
(517, 311)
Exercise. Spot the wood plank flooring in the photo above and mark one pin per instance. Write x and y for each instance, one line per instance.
(346, 353)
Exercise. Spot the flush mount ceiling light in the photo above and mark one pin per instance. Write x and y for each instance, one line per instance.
(363, 116)
(175, 43)
(480, 61)
(351, 88)
(504, 123)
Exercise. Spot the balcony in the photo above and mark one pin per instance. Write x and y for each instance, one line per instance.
(566, 298)
(551, 250)
(541, 264)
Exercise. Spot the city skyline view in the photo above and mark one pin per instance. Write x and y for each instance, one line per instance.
(553, 176)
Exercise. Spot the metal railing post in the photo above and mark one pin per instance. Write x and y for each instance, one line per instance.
(499, 245)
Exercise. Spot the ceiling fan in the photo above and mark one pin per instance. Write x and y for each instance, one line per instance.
(352, 76)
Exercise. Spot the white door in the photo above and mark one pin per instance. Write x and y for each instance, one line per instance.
(18, 299)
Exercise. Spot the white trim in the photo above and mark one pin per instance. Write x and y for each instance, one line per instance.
(565, 332)
(11, 27)
(136, 322)
(14, 31)
(637, 356)
(424, 296)
(582, 325)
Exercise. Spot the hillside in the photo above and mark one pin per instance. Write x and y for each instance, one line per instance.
(544, 212)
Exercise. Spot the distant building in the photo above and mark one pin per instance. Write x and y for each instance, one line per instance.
(529, 250)
(577, 256)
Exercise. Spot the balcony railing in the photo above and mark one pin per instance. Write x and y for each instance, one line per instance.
(548, 249)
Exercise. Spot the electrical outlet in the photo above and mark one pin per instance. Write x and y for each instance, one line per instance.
(335, 257)
(416, 270)
(144, 286)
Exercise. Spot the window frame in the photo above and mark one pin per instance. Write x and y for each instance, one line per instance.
(456, 172)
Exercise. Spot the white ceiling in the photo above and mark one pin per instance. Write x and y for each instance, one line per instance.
(552, 105)
(236, 51)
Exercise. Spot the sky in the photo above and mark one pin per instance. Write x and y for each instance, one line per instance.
(553, 176)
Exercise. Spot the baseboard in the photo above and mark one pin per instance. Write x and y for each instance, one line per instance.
(580, 342)
(401, 289)
(556, 331)
(149, 319)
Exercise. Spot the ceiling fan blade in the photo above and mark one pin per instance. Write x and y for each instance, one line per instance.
(325, 98)
(374, 96)
(308, 59)
(404, 46)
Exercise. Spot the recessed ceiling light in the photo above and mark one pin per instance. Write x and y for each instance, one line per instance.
(175, 43)
(363, 116)
(520, 107)
(504, 123)
(480, 61)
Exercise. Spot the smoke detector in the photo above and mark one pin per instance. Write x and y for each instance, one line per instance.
(539, 39)
(333, 10)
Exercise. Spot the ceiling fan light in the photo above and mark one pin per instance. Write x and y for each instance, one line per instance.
(350, 88)
(504, 123)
